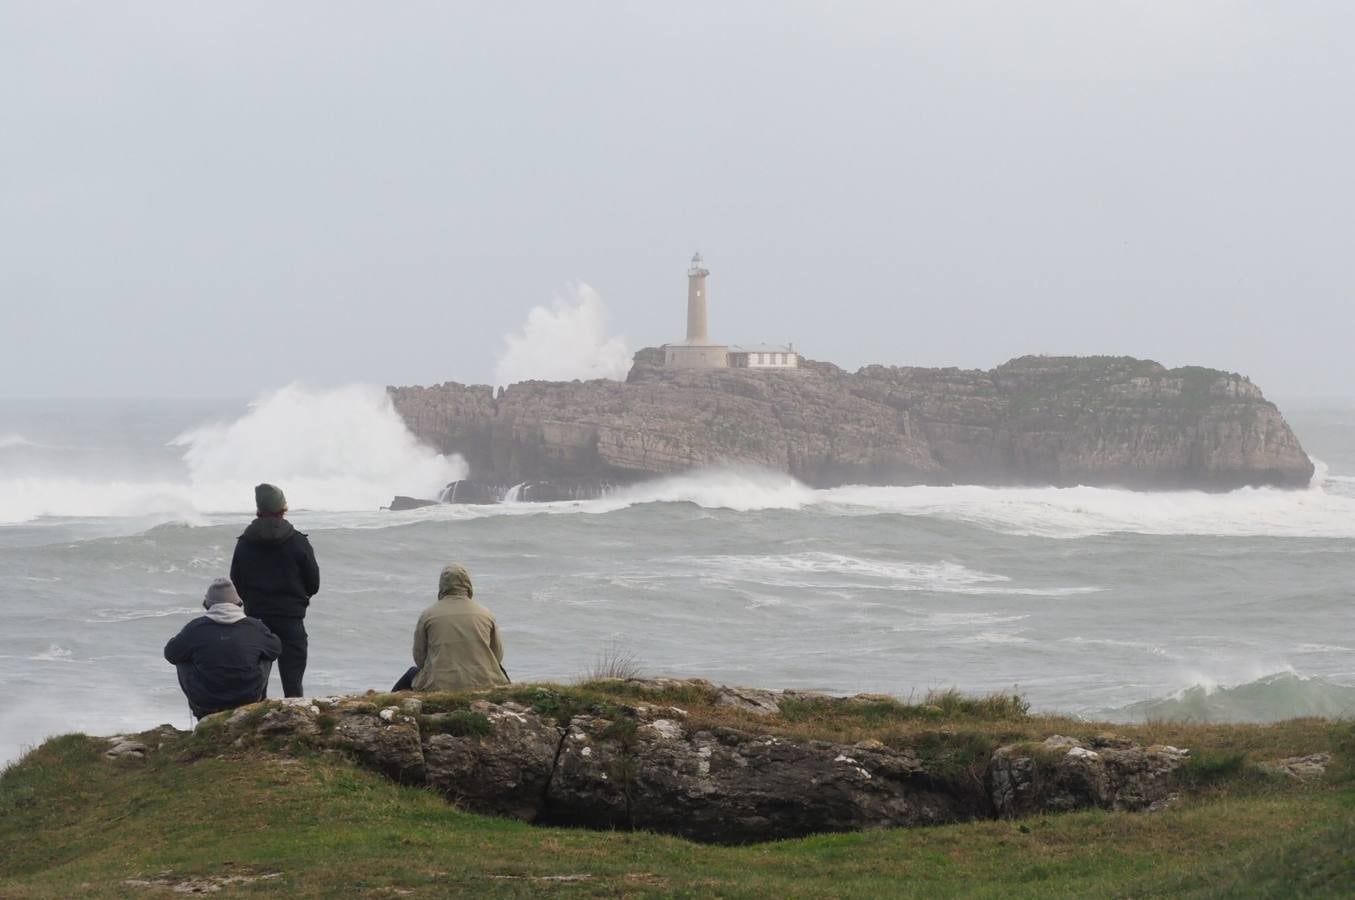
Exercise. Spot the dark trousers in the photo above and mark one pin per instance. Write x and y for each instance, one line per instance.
(292, 662)
(406, 682)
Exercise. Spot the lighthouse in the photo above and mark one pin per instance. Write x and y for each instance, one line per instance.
(697, 351)
(698, 328)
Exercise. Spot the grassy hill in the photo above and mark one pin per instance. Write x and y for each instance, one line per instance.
(202, 814)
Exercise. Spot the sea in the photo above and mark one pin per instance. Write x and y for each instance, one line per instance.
(1110, 604)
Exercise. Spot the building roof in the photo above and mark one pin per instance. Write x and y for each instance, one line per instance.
(761, 348)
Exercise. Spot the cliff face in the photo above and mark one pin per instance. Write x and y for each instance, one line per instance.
(1112, 421)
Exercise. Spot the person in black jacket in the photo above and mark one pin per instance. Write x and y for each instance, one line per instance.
(275, 571)
(224, 657)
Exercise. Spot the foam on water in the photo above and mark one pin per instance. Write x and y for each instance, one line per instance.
(1325, 509)
(826, 570)
(1077, 512)
(339, 449)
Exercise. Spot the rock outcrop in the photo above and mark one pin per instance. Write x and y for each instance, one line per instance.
(1063, 773)
(613, 765)
(1111, 421)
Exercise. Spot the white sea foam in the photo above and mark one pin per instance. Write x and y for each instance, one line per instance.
(1086, 511)
(992, 637)
(1323, 510)
(132, 615)
(739, 489)
(820, 570)
(338, 449)
(54, 653)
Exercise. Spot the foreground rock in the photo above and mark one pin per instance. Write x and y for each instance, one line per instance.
(1063, 774)
(1300, 768)
(650, 766)
(1111, 421)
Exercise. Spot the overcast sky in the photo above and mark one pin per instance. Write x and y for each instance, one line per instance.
(216, 199)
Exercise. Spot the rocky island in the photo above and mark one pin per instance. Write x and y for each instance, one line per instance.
(1046, 421)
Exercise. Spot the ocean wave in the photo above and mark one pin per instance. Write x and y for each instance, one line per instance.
(337, 485)
(1078, 512)
(1271, 698)
(130, 615)
(820, 570)
(339, 450)
(992, 637)
(1323, 510)
(1142, 646)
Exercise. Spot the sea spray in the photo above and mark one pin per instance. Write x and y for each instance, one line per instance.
(336, 449)
(562, 342)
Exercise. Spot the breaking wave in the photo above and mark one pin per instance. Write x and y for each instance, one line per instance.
(738, 489)
(1324, 510)
(339, 449)
(1087, 511)
(1271, 698)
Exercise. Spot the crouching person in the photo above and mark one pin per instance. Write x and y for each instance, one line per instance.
(456, 642)
(224, 657)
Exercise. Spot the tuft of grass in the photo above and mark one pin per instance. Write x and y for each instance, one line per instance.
(1209, 767)
(613, 663)
(935, 706)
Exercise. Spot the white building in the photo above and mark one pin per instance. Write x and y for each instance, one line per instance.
(764, 356)
(699, 352)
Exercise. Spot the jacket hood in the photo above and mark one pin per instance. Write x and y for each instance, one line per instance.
(455, 582)
(225, 614)
(268, 530)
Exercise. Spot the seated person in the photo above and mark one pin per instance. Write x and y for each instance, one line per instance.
(224, 657)
(456, 643)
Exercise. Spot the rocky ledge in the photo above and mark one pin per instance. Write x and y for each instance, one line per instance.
(652, 765)
(1110, 421)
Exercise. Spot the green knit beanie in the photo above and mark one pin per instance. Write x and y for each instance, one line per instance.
(269, 500)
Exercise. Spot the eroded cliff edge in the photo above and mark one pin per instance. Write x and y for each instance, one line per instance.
(1110, 421)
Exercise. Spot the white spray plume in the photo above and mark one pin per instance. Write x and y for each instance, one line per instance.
(562, 342)
(337, 449)
(341, 448)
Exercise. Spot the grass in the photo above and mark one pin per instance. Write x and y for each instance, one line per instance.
(75, 825)
(614, 662)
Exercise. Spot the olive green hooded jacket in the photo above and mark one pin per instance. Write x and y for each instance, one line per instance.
(456, 643)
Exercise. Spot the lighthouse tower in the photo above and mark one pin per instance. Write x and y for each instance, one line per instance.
(697, 351)
(698, 329)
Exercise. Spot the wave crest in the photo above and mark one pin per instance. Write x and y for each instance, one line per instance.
(1271, 698)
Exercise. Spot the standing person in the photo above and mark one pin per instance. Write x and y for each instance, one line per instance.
(456, 642)
(275, 571)
(223, 657)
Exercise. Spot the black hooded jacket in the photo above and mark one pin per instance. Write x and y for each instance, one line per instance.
(274, 569)
(220, 665)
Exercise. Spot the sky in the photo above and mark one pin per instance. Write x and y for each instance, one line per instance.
(217, 199)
